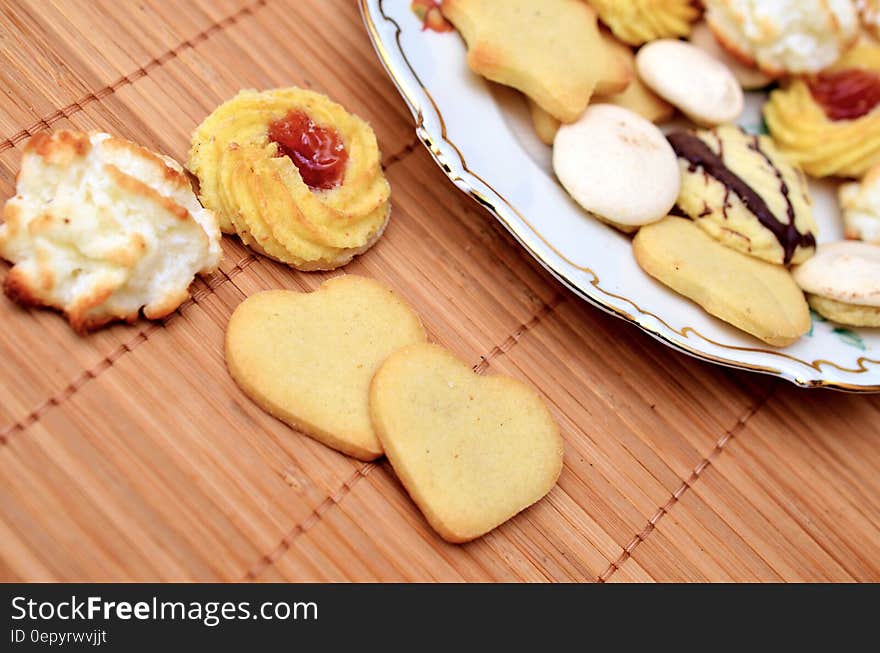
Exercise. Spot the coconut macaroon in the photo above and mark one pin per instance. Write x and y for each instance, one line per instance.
(842, 282)
(869, 12)
(860, 205)
(787, 36)
(748, 77)
(101, 229)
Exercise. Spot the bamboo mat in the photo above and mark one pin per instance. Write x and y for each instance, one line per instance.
(130, 455)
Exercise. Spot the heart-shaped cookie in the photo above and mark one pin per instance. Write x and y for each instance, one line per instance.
(471, 450)
(307, 358)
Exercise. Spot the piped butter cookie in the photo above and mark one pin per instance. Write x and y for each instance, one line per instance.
(758, 297)
(103, 229)
(829, 123)
(308, 358)
(741, 191)
(294, 174)
(842, 282)
(639, 21)
(472, 451)
(550, 50)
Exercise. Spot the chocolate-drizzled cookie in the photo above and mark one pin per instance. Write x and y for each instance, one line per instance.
(738, 188)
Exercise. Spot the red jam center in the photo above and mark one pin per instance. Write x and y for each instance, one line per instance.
(847, 94)
(317, 152)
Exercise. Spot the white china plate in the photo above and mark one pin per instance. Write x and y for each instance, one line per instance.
(480, 135)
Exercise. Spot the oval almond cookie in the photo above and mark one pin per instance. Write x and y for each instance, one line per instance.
(758, 297)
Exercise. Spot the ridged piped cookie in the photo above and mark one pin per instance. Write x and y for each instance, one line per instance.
(639, 21)
(264, 162)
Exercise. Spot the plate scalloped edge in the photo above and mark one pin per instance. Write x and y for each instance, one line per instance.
(431, 130)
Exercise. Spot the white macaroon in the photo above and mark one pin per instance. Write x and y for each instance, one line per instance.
(618, 166)
(700, 85)
(847, 271)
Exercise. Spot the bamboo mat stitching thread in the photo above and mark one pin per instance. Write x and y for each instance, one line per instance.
(686, 484)
(399, 156)
(47, 121)
(304, 526)
(108, 361)
(336, 497)
(518, 332)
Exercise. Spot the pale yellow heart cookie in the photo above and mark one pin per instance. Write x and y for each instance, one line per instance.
(308, 358)
(472, 451)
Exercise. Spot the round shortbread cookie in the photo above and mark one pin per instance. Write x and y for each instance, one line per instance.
(684, 75)
(617, 165)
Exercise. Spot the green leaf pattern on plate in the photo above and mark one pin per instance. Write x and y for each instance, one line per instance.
(850, 337)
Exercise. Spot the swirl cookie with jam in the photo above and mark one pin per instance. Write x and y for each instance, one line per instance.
(740, 190)
(829, 123)
(295, 175)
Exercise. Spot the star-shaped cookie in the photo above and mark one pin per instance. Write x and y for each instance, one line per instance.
(551, 50)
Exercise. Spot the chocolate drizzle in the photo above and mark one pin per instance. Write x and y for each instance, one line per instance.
(697, 153)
